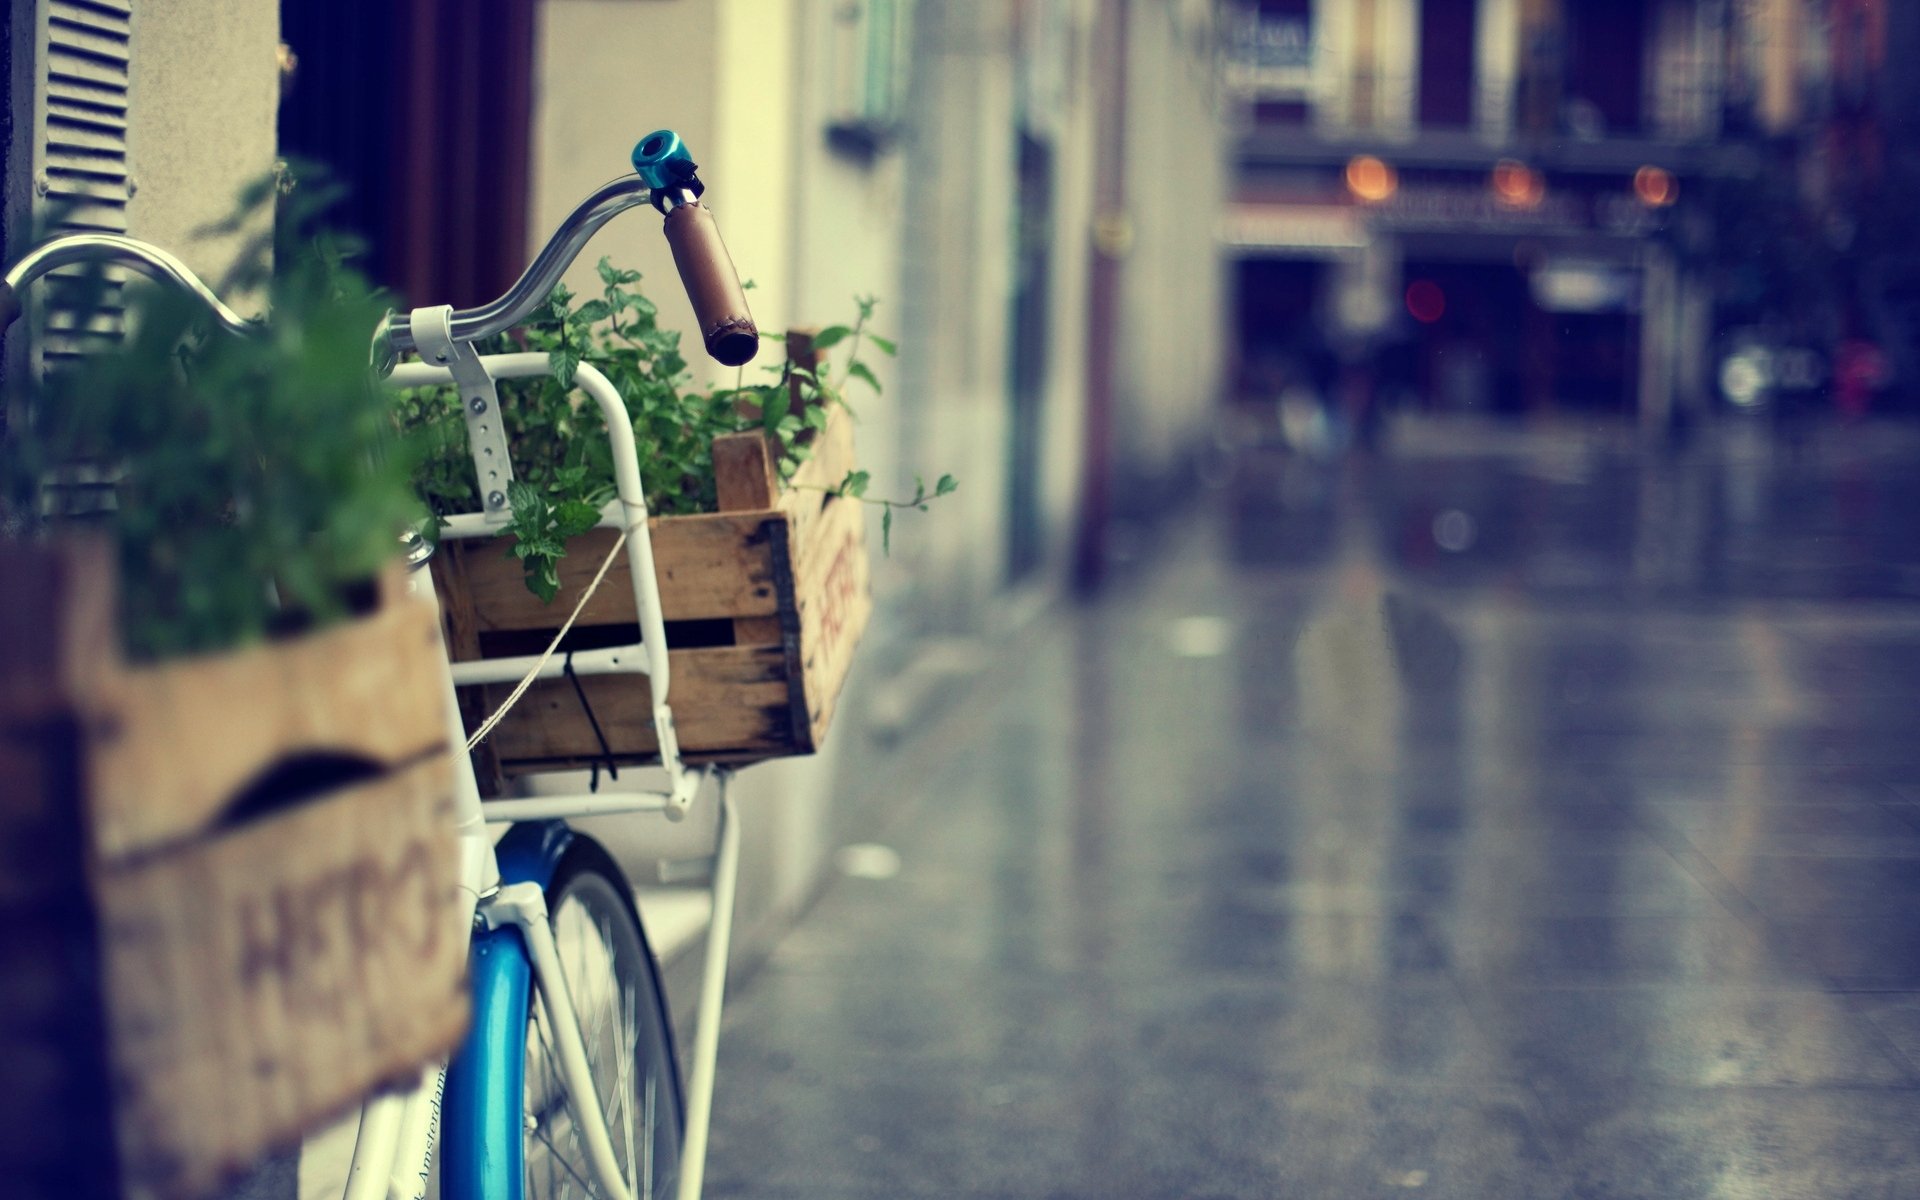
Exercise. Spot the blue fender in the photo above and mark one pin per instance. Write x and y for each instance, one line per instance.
(481, 1156)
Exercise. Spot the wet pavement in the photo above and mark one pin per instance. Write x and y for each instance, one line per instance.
(1533, 820)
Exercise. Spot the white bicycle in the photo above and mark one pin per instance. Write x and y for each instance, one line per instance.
(567, 1083)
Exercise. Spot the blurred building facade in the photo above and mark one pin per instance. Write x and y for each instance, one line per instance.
(1056, 298)
(1530, 205)
(1030, 187)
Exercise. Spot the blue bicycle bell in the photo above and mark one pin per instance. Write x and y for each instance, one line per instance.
(664, 164)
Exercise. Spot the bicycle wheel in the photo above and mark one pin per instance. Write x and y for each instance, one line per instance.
(616, 993)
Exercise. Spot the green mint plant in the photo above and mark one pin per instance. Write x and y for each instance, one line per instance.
(562, 460)
(250, 484)
(854, 487)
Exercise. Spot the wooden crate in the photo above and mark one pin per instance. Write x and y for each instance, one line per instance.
(764, 600)
(228, 884)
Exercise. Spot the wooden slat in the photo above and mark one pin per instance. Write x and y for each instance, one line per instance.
(710, 565)
(726, 699)
(208, 727)
(53, 1140)
(800, 353)
(270, 976)
(829, 463)
(744, 480)
(807, 494)
(835, 604)
(58, 633)
(743, 476)
(41, 826)
(171, 744)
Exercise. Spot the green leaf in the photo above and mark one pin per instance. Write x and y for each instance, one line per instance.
(855, 484)
(563, 363)
(860, 371)
(543, 578)
(886, 532)
(594, 311)
(884, 345)
(831, 336)
(524, 498)
(572, 518)
(946, 484)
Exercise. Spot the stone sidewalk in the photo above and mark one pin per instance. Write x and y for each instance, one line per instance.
(1541, 824)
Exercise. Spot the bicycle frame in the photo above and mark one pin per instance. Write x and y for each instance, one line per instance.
(397, 1133)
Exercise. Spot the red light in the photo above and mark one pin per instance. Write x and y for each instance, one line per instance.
(1426, 301)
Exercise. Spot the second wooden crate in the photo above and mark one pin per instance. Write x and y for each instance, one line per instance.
(230, 884)
(764, 602)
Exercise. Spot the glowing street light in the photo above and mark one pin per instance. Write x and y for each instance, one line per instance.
(1371, 180)
(1656, 186)
(1518, 185)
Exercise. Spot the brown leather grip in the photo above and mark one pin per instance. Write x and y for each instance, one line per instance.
(705, 268)
(9, 306)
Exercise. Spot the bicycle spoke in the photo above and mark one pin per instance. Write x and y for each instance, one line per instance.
(556, 1084)
(553, 1152)
(605, 968)
(647, 1125)
(625, 1080)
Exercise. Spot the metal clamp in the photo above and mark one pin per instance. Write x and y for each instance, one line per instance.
(432, 330)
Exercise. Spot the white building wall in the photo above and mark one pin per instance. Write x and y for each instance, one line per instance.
(1335, 58)
(958, 268)
(204, 98)
(1173, 317)
(1496, 68)
(607, 73)
(1063, 426)
(756, 106)
(1397, 58)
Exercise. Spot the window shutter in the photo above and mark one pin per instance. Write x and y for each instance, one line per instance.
(80, 144)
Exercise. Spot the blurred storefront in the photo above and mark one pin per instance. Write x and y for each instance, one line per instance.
(1523, 206)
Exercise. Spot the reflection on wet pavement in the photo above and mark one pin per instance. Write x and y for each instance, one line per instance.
(1534, 824)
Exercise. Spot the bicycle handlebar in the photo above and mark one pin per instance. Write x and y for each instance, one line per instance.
(713, 287)
(111, 249)
(531, 289)
(706, 270)
(664, 175)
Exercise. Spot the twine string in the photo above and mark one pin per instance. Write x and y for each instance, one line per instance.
(540, 665)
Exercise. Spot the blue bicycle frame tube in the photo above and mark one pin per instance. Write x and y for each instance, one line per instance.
(486, 1082)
